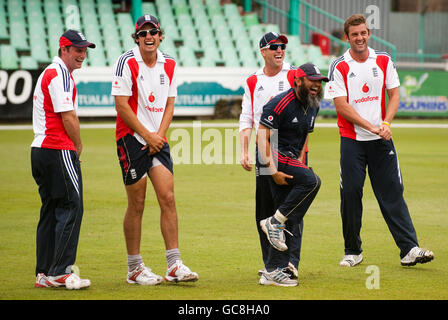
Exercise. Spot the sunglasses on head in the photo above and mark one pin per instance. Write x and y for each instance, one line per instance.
(144, 33)
(275, 46)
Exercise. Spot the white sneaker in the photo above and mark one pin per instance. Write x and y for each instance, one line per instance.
(274, 233)
(179, 272)
(293, 272)
(70, 281)
(41, 281)
(278, 278)
(351, 260)
(143, 275)
(417, 255)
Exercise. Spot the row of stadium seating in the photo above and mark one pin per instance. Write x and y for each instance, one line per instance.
(197, 32)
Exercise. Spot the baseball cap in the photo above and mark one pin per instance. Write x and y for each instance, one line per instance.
(147, 18)
(272, 37)
(74, 38)
(310, 71)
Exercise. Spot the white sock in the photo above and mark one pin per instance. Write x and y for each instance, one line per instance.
(280, 217)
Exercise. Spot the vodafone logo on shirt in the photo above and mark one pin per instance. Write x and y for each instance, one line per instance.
(366, 89)
(151, 99)
(116, 85)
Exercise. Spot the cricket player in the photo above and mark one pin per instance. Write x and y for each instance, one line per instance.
(285, 124)
(276, 76)
(144, 87)
(55, 164)
(359, 82)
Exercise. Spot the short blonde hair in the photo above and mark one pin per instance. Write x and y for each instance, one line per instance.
(354, 20)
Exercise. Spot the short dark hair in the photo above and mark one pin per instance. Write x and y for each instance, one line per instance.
(60, 51)
(354, 20)
(134, 35)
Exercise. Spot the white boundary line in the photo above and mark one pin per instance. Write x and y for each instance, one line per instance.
(230, 125)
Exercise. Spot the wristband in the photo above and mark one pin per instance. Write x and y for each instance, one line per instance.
(386, 123)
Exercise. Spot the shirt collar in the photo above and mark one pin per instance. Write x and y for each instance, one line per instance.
(139, 58)
(348, 56)
(58, 60)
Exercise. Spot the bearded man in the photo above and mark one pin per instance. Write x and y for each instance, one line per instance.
(285, 123)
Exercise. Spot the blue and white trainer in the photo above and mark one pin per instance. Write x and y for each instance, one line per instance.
(275, 234)
(279, 278)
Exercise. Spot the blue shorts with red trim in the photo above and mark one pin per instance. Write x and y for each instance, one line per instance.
(135, 162)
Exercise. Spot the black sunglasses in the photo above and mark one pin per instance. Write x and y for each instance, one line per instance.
(275, 46)
(144, 33)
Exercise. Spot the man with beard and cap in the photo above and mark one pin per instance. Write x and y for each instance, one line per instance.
(285, 124)
(275, 77)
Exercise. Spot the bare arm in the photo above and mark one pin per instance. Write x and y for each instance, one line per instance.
(350, 114)
(245, 135)
(153, 140)
(391, 110)
(70, 122)
(264, 151)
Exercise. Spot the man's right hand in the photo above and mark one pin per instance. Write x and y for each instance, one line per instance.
(246, 162)
(154, 142)
(280, 178)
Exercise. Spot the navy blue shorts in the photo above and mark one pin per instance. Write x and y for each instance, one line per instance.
(135, 162)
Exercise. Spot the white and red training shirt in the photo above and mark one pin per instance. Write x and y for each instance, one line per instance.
(55, 92)
(148, 89)
(364, 86)
(258, 90)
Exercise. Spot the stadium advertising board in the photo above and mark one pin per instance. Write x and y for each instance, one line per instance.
(16, 93)
(423, 93)
(198, 90)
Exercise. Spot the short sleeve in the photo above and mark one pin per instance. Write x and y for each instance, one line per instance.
(60, 89)
(172, 92)
(392, 80)
(246, 116)
(122, 79)
(269, 118)
(336, 86)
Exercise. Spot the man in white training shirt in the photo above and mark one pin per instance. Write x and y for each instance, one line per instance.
(55, 164)
(359, 81)
(144, 86)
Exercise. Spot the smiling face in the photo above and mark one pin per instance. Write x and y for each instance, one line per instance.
(358, 38)
(73, 57)
(309, 91)
(273, 58)
(148, 44)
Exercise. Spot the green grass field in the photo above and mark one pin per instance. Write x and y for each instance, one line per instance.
(218, 238)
